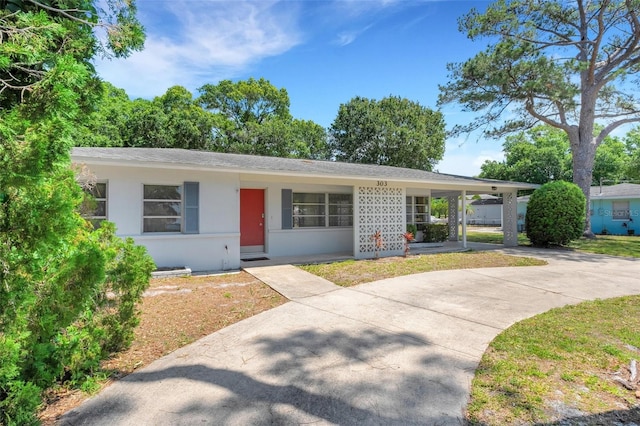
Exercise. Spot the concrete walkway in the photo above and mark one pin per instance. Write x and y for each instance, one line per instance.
(400, 351)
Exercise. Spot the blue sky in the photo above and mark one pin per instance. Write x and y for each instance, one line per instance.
(323, 53)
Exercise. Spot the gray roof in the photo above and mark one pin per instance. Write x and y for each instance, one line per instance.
(622, 190)
(253, 164)
(487, 201)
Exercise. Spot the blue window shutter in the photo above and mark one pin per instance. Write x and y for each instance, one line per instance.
(287, 209)
(191, 202)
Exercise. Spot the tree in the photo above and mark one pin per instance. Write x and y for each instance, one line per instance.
(52, 268)
(611, 161)
(39, 37)
(310, 140)
(393, 132)
(439, 207)
(172, 120)
(632, 143)
(106, 123)
(188, 125)
(146, 126)
(252, 117)
(251, 101)
(537, 156)
(566, 64)
(542, 155)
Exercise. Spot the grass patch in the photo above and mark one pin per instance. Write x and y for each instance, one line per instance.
(613, 245)
(560, 361)
(494, 237)
(353, 272)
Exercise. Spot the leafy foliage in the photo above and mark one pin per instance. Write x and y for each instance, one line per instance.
(252, 117)
(632, 143)
(37, 36)
(173, 120)
(555, 214)
(439, 207)
(52, 268)
(250, 101)
(567, 64)
(392, 132)
(542, 154)
(248, 117)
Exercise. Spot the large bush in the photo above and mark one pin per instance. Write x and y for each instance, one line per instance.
(58, 327)
(53, 267)
(555, 214)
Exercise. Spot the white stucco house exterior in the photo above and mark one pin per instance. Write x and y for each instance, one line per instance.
(207, 210)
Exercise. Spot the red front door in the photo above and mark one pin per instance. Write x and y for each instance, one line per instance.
(252, 217)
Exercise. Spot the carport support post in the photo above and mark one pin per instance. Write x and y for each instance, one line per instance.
(464, 219)
(510, 218)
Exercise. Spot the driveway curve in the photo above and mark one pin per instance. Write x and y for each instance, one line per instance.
(399, 351)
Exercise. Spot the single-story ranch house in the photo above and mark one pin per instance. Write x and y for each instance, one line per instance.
(208, 210)
(615, 209)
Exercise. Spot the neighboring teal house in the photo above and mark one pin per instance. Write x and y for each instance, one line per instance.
(616, 209)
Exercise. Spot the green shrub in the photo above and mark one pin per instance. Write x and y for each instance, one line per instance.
(435, 233)
(412, 228)
(128, 273)
(555, 214)
(64, 310)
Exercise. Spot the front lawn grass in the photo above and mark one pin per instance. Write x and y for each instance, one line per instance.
(493, 237)
(612, 245)
(563, 361)
(353, 272)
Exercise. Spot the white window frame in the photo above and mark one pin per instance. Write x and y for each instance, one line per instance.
(93, 218)
(626, 212)
(325, 207)
(411, 216)
(179, 217)
(340, 206)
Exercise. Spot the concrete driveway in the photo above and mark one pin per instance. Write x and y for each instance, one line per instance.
(400, 351)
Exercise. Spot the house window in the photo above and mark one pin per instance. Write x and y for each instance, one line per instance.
(417, 210)
(620, 210)
(340, 210)
(95, 209)
(162, 211)
(313, 210)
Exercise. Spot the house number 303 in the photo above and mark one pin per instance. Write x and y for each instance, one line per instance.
(382, 183)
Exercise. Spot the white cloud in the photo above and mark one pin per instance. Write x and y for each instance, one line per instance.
(348, 37)
(188, 41)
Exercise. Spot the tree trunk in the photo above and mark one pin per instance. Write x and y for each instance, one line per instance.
(583, 155)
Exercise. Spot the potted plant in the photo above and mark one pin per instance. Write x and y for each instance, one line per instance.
(408, 237)
(378, 242)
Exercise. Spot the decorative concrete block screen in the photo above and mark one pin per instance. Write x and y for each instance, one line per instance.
(379, 208)
(453, 218)
(510, 218)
